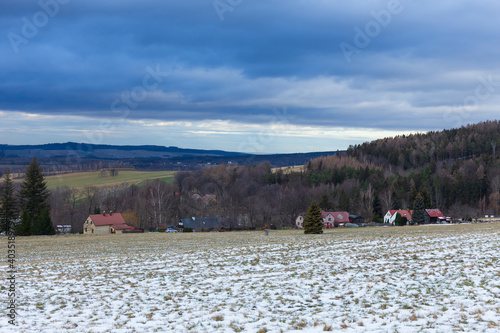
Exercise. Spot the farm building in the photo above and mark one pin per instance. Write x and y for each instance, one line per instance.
(63, 229)
(201, 224)
(105, 223)
(356, 219)
(390, 216)
(432, 216)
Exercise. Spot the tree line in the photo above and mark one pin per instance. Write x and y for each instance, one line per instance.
(366, 180)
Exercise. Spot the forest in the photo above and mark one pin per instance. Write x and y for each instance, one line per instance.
(457, 171)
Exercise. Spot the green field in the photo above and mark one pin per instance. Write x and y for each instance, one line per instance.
(81, 179)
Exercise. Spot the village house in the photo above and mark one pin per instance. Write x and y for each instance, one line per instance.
(330, 219)
(105, 223)
(390, 216)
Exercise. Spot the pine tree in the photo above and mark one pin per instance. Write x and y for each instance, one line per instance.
(33, 197)
(313, 222)
(24, 227)
(325, 202)
(8, 205)
(418, 216)
(45, 226)
(397, 219)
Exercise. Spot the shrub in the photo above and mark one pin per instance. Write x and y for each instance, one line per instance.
(187, 230)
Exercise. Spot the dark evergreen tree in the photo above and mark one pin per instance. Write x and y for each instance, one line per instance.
(33, 197)
(427, 198)
(24, 227)
(397, 219)
(8, 206)
(418, 216)
(325, 202)
(45, 227)
(313, 222)
(344, 201)
(404, 221)
(377, 207)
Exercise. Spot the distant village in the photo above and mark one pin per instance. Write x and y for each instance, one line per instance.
(114, 223)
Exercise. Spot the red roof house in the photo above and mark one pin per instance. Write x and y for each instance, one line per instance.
(433, 215)
(335, 219)
(105, 223)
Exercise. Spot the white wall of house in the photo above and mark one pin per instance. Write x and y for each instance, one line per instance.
(299, 222)
(388, 218)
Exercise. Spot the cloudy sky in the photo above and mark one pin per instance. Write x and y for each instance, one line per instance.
(254, 76)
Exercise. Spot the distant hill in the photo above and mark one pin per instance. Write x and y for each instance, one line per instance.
(92, 151)
(140, 157)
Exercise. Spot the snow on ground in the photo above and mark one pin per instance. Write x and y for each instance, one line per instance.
(400, 279)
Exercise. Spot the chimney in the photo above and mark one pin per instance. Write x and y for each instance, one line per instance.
(103, 213)
(110, 213)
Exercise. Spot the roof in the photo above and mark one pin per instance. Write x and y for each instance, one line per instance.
(198, 223)
(405, 213)
(122, 227)
(107, 219)
(434, 213)
(338, 216)
(402, 212)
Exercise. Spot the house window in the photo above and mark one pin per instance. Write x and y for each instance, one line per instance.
(85, 229)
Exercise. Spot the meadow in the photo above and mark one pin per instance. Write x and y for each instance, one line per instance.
(81, 179)
(388, 279)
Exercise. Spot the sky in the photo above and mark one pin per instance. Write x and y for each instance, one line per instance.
(239, 75)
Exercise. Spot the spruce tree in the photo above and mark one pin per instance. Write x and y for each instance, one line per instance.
(8, 205)
(397, 219)
(33, 197)
(313, 222)
(418, 216)
(24, 227)
(325, 202)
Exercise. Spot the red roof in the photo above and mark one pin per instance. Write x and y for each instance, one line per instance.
(405, 213)
(121, 227)
(434, 213)
(338, 216)
(108, 219)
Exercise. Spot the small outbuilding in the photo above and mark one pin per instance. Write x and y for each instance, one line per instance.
(201, 224)
(432, 216)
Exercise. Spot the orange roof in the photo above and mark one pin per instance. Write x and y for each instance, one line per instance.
(108, 219)
(405, 213)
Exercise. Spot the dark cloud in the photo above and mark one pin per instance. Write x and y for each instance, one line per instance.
(265, 54)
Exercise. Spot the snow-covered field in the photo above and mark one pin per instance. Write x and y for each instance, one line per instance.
(399, 279)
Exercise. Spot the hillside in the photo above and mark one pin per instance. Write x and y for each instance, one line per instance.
(457, 170)
(417, 150)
